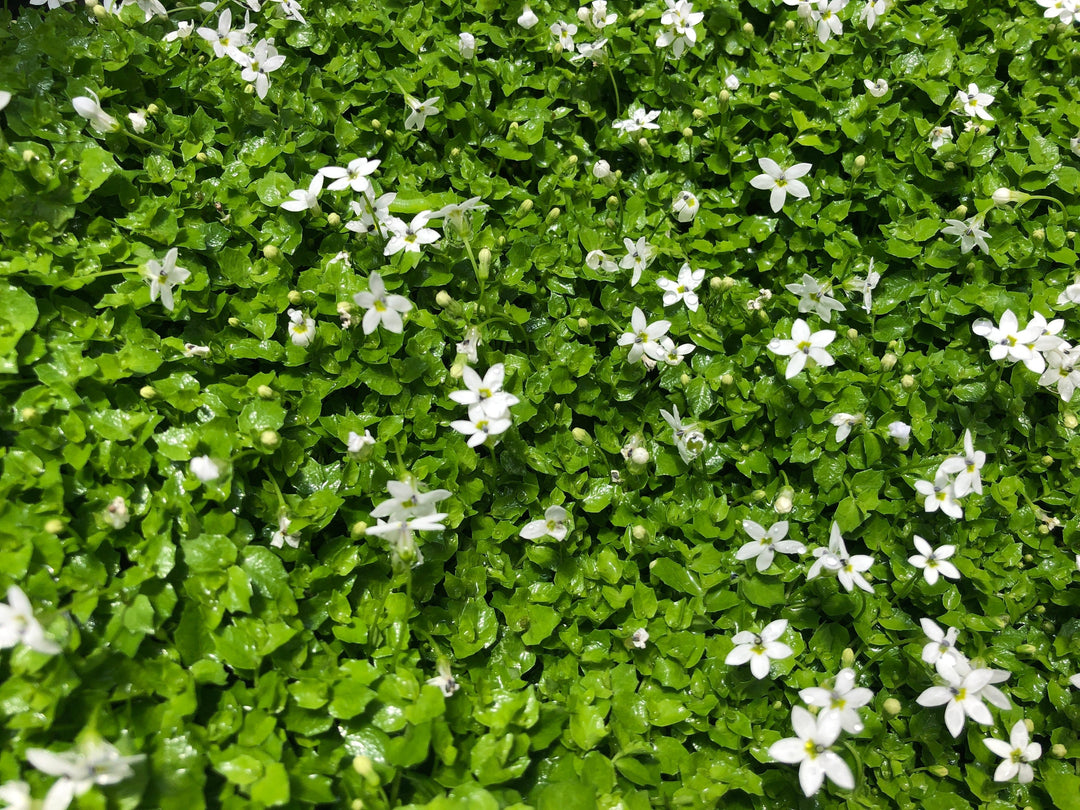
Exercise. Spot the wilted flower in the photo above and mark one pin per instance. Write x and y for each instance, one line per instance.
(282, 537)
(116, 513)
(640, 638)
(940, 135)
(89, 108)
(528, 18)
(359, 447)
(685, 206)
(901, 432)
(205, 469)
(445, 679)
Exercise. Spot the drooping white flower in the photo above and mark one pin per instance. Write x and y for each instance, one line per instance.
(844, 422)
(466, 45)
(301, 328)
(1017, 755)
(528, 18)
(445, 679)
(961, 697)
(759, 649)
(553, 524)
(304, 199)
(195, 350)
(183, 31)
(96, 763)
(457, 213)
(765, 544)
(420, 111)
(643, 336)
(781, 182)
(400, 534)
(18, 625)
(803, 346)
(901, 433)
(165, 275)
(116, 513)
(406, 500)
(90, 109)
(683, 289)
(205, 469)
(601, 170)
(138, 121)
(732, 82)
(934, 562)
(469, 344)
(815, 297)
(865, 286)
(844, 698)
(685, 206)
(809, 749)
(382, 309)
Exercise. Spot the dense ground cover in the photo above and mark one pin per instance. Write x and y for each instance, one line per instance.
(441, 404)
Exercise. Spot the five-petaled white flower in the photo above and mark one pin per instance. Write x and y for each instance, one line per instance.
(759, 649)
(815, 297)
(973, 103)
(826, 16)
(683, 289)
(411, 236)
(781, 182)
(301, 328)
(486, 393)
(872, 10)
(643, 336)
(564, 34)
(803, 346)
(97, 763)
(400, 534)
(373, 212)
(224, 39)
(420, 111)
(552, 524)
(939, 495)
(479, 427)
(849, 569)
(639, 255)
(257, 66)
(164, 276)
(19, 626)
(961, 696)
(359, 446)
(844, 698)
(640, 118)
(940, 650)
(596, 259)
(303, 199)
(685, 206)
(810, 751)
(765, 544)
(940, 136)
(1017, 754)
(381, 308)
(970, 232)
(934, 562)
(282, 537)
(354, 176)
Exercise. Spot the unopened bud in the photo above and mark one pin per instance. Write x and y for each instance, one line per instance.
(28, 413)
(784, 501)
(572, 160)
(271, 252)
(847, 657)
(363, 764)
(513, 126)
(1058, 751)
(757, 494)
(100, 12)
(583, 323)
(1070, 421)
(1028, 558)
(888, 362)
(1039, 234)
(202, 157)
(687, 132)
(727, 379)
(357, 804)
(1029, 724)
(643, 145)
(853, 334)
(333, 219)
(581, 435)
(639, 456)
(454, 152)
(774, 96)
(525, 207)
(553, 214)
(443, 299)
(501, 241)
(148, 392)
(789, 26)
(748, 29)
(54, 525)
(908, 382)
(233, 321)
(612, 201)
(1047, 460)
(457, 368)
(359, 529)
(639, 532)
(270, 438)
(609, 223)
(29, 155)
(961, 211)
(892, 706)
(388, 132)
(1005, 196)
(725, 96)
(295, 297)
(1040, 609)
(1025, 649)
(618, 174)
(376, 123)
(698, 113)
(939, 770)
(90, 3)
(153, 109)
(485, 262)
(684, 378)
(1070, 234)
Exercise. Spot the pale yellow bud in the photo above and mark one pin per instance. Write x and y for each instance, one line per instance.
(28, 413)
(376, 123)
(892, 706)
(888, 362)
(153, 109)
(553, 214)
(727, 379)
(698, 113)
(1058, 751)
(847, 657)
(295, 297)
(100, 12)
(639, 532)
(725, 96)
(908, 382)
(359, 529)
(684, 379)
(29, 155)
(443, 299)
(202, 157)
(581, 435)
(853, 334)
(687, 132)
(525, 207)
(333, 219)
(1039, 234)
(748, 29)
(454, 152)
(54, 525)
(270, 438)
(148, 392)
(271, 252)
(1070, 421)
(938, 770)
(583, 323)
(265, 392)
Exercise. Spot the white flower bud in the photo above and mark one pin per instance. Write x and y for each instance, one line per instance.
(784, 501)
(1004, 196)
(639, 456)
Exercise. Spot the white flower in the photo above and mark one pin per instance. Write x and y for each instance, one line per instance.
(974, 103)
(205, 469)
(589, 50)
(680, 19)
(116, 513)
(304, 199)
(1017, 755)
(553, 524)
(639, 119)
(183, 31)
(469, 344)
(479, 426)
(732, 82)
(410, 237)
(844, 422)
(689, 441)
(359, 446)
(643, 336)
(941, 648)
(596, 16)
(98, 763)
(683, 289)
(282, 537)
(810, 751)
(934, 562)
(815, 297)
(406, 501)
(1070, 295)
(371, 211)
(164, 276)
(781, 182)
(224, 38)
(865, 285)
(382, 309)
(1065, 10)
(961, 697)
(564, 33)
(901, 432)
(876, 88)
(759, 649)
(844, 698)
(1063, 370)
(872, 10)
(939, 495)
(639, 255)
(528, 18)
(444, 680)
(673, 355)
(685, 206)
(466, 45)
(138, 121)
(257, 66)
(89, 108)
(1075, 679)
(849, 569)
(601, 169)
(640, 638)
(291, 8)
(596, 259)
(195, 350)
(940, 136)
(16, 796)
(765, 544)
(19, 626)
(456, 213)
(966, 468)
(5, 99)
(803, 346)
(486, 393)
(970, 232)
(827, 17)
(399, 534)
(354, 176)
(420, 111)
(301, 329)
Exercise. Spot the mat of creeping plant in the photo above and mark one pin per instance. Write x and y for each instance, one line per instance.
(466, 405)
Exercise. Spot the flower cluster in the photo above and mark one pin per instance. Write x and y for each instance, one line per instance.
(489, 405)
(405, 512)
(256, 61)
(678, 32)
(1037, 346)
(956, 476)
